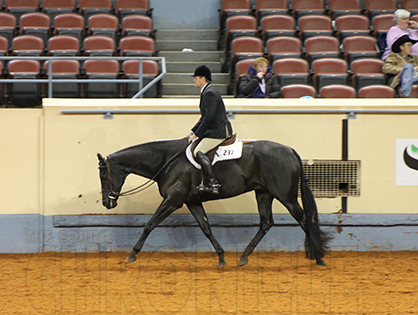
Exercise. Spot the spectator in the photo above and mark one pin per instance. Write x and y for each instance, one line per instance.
(402, 65)
(403, 26)
(260, 81)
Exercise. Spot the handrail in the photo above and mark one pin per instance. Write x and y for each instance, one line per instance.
(240, 111)
(141, 89)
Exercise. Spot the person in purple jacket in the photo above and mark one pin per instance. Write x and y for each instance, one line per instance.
(403, 26)
(260, 81)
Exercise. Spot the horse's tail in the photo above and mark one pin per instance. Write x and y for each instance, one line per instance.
(316, 241)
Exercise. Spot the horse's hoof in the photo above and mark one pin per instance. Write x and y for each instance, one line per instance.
(243, 261)
(320, 262)
(222, 263)
(131, 258)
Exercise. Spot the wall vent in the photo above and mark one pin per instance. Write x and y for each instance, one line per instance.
(333, 178)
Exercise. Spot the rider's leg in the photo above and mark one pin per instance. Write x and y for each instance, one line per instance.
(210, 182)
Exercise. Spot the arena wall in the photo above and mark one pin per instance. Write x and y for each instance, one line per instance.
(51, 190)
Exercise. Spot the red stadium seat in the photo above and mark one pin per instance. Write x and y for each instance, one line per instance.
(37, 24)
(98, 45)
(377, 91)
(4, 46)
(321, 47)
(20, 7)
(103, 24)
(338, 91)
(7, 26)
(359, 47)
(297, 91)
(24, 94)
(307, 7)
(128, 7)
(283, 47)
(277, 25)
(239, 25)
(410, 5)
(352, 25)
(139, 25)
(137, 46)
(342, 7)
(88, 8)
(149, 72)
(63, 45)
(315, 25)
(102, 69)
(233, 7)
(241, 69)
(64, 69)
(291, 71)
(382, 23)
(270, 7)
(377, 7)
(328, 71)
(57, 7)
(366, 72)
(27, 45)
(69, 24)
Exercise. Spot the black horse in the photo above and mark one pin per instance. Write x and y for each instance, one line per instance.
(271, 169)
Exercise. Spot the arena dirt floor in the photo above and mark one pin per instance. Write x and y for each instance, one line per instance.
(372, 282)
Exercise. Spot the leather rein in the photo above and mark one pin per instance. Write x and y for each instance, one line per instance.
(113, 194)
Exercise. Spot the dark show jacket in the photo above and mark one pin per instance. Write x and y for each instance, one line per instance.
(213, 122)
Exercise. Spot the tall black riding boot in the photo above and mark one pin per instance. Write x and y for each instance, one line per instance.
(210, 183)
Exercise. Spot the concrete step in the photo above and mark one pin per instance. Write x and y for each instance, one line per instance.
(197, 56)
(187, 34)
(179, 45)
(188, 89)
(219, 78)
(189, 67)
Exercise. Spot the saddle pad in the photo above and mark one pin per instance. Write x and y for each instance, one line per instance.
(229, 152)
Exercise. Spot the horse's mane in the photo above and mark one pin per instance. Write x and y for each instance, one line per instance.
(169, 147)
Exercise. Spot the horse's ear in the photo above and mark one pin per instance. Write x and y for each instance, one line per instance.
(101, 158)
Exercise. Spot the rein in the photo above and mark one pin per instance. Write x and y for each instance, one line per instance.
(113, 195)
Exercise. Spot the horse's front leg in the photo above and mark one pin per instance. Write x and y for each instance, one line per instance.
(202, 219)
(166, 208)
(264, 202)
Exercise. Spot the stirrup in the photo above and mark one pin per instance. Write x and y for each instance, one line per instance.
(213, 189)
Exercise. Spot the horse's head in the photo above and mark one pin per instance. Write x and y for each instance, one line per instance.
(111, 180)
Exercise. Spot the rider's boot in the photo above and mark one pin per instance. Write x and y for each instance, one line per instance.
(210, 183)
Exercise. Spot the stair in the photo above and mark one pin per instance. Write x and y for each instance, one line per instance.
(180, 65)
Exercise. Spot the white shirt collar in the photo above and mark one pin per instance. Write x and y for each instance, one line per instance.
(202, 89)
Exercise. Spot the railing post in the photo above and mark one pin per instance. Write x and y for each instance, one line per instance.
(50, 78)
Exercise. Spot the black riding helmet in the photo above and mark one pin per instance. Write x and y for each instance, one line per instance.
(203, 71)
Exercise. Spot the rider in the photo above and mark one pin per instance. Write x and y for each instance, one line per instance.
(212, 128)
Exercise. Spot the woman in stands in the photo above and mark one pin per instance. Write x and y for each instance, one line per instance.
(260, 81)
(403, 25)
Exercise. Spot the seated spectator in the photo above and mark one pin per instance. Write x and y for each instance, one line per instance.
(402, 65)
(260, 81)
(403, 26)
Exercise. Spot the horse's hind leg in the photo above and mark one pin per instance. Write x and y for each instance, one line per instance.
(264, 203)
(164, 210)
(201, 218)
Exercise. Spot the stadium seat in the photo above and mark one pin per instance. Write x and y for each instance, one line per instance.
(342, 7)
(24, 94)
(57, 7)
(137, 46)
(63, 45)
(239, 25)
(233, 7)
(291, 71)
(270, 7)
(129, 7)
(366, 72)
(4, 46)
(414, 92)
(297, 91)
(352, 25)
(277, 25)
(377, 91)
(307, 7)
(241, 69)
(410, 5)
(98, 45)
(88, 8)
(27, 45)
(356, 47)
(37, 24)
(245, 47)
(101, 69)
(337, 91)
(283, 47)
(20, 7)
(71, 24)
(64, 69)
(149, 71)
(7, 26)
(382, 23)
(314, 25)
(103, 24)
(137, 25)
(329, 71)
(377, 7)
(321, 47)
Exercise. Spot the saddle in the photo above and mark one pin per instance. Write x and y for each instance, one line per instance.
(229, 149)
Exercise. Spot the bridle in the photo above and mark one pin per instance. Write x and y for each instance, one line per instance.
(113, 194)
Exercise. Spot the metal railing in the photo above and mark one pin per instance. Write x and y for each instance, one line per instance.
(50, 80)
